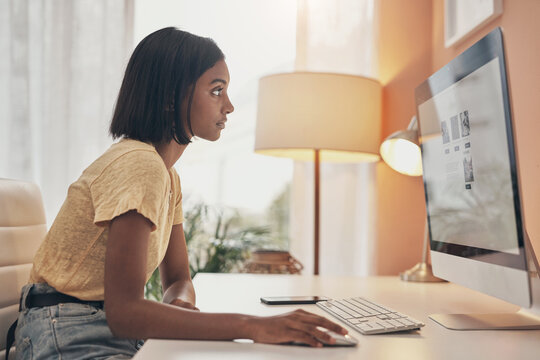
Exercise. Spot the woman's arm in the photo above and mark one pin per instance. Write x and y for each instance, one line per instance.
(174, 272)
(129, 315)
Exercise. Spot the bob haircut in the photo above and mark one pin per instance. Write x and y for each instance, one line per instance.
(161, 74)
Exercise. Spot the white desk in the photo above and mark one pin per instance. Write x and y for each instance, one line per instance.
(241, 293)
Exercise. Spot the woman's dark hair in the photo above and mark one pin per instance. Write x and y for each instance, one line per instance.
(161, 73)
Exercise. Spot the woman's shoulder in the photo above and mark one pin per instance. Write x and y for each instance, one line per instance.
(134, 151)
(127, 157)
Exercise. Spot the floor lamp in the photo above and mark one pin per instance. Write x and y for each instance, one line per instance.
(318, 117)
(401, 151)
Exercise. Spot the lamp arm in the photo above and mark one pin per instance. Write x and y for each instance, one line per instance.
(413, 124)
(425, 246)
(421, 272)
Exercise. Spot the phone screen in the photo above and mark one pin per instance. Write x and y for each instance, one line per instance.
(289, 300)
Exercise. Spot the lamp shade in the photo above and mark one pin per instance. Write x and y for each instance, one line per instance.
(402, 152)
(338, 114)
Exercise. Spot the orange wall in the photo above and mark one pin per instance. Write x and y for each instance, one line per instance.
(404, 62)
(521, 35)
(411, 47)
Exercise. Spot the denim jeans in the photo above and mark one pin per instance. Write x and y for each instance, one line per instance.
(67, 331)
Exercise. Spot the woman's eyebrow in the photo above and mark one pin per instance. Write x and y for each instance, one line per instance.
(219, 80)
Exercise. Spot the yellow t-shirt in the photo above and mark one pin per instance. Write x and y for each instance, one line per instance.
(130, 175)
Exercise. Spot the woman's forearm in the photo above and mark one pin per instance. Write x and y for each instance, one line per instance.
(129, 315)
(143, 319)
(182, 289)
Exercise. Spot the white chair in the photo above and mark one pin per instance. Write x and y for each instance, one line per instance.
(22, 228)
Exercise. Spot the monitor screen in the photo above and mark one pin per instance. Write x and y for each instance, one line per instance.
(470, 171)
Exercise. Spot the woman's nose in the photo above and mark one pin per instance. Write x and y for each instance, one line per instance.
(229, 108)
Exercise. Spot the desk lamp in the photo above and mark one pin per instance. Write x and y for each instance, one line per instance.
(401, 151)
(318, 117)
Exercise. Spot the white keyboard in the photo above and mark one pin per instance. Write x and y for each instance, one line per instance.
(368, 317)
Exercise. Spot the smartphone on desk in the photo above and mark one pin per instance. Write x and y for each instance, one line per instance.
(292, 300)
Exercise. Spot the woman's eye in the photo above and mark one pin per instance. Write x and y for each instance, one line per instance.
(217, 92)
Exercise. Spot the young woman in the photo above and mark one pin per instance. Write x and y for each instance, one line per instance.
(123, 218)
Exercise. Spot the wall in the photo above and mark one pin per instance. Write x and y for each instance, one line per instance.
(411, 48)
(521, 28)
(404, 62)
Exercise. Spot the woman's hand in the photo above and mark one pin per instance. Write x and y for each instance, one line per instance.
(184, 304)
(297, 326)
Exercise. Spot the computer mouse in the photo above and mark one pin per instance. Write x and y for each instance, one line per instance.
(341, 340)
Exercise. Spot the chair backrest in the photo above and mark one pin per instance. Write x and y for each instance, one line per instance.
(22, 228)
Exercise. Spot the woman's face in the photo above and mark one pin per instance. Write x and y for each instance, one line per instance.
(211, 103)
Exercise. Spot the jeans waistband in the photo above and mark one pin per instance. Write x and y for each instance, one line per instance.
(41, 295)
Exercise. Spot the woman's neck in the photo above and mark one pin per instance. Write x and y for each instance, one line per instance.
(170, 152)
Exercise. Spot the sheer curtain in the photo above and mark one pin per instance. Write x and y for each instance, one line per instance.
(60, 71)
(340, 37)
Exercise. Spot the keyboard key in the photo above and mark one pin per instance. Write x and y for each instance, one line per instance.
(386, 325)
(377, 308)
(357, 309)
(407, 322)
(402, 322)
(345, 309)
(341, 313)
(377, 326)
(395, 323)
(367, 309)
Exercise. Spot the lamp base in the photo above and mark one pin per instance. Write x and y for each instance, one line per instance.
(420, 272)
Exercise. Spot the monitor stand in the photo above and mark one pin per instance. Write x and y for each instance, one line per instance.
(528, 319)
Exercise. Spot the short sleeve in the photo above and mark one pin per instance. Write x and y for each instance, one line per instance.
(178, 212)
(137, 181)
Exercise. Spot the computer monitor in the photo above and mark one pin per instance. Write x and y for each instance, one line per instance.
(471, 183)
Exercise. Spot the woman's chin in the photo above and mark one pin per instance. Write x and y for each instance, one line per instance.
(211, 137)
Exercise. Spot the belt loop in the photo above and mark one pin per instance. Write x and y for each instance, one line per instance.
(23, 301)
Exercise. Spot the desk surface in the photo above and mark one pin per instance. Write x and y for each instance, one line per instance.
(240, 293)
